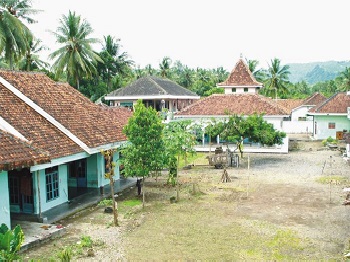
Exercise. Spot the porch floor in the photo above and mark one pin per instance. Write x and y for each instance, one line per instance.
(35, 232)
(92, 196)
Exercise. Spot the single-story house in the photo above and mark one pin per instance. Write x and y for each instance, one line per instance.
(159, 93)
(331, 118)
(53, 137)
(298, 121)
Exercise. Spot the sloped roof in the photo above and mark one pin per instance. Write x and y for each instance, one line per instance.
(314, 99)
(241, 104)
(16, 153)
(152, 86)
(337, 104)
(289, 104)
(240, 76)
(92, 124)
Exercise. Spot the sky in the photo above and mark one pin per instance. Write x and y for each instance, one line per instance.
(209, 33)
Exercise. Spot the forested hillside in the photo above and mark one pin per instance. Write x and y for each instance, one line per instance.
(316, 71)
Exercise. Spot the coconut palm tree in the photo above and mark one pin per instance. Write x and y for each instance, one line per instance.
(276, 79)
(165, 67)
(345, 79)
(32, 60)
(22, 9)
(75, 56)
(14, 36)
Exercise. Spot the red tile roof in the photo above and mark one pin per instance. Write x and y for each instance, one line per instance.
(16, 153)
(337, 104)
(241, 104)
(240, 76)
(315, 99)
(289, 104)
(92, 124)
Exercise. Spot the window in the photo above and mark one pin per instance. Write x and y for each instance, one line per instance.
(331, 125)
(246, 89)
(302, 118)
(234, 90)
(51, 176)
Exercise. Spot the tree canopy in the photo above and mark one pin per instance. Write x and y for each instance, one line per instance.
(145, 150)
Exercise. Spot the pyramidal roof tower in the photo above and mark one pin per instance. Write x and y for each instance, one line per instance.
(241, 80)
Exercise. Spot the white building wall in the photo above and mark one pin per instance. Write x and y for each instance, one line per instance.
(298, 127)
(301, 112)
(240, 90)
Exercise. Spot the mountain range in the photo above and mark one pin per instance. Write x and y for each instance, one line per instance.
(316, 71)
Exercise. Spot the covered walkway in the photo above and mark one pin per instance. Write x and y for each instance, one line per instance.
(35, 232)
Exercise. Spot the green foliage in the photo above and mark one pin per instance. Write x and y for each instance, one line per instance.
(10, 242)
(86, 241)
(276, 80)
(253, 127)
(66, 254)
(105, 202)
(131, 202)
(145, 152)
(339, 180)
(329, 140)
(75, 56)
(179, 140)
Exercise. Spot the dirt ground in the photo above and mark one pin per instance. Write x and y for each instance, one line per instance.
(274, 208)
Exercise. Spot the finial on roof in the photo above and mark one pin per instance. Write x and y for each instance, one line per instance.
(241, 55)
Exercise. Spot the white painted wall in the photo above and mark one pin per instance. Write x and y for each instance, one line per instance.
(301, 112)
(298, 127)
(5, 216)
(240, 90)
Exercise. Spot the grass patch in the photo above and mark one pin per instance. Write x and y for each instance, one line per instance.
(338, 180)
(131, 202)
(192, 158)
(105, 202)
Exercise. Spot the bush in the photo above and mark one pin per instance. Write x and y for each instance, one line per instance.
(329, 140)
(10, 242)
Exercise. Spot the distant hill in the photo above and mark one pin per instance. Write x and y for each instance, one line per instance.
(316, 71)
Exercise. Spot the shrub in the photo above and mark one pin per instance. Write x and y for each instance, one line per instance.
(329, 140)
(10, 242)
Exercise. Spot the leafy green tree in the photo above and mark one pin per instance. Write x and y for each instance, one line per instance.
(253, 127)
(179, 141)
(145, 152)
(76, 56)
(276, 79)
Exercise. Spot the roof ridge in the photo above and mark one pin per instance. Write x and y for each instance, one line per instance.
(158, 86)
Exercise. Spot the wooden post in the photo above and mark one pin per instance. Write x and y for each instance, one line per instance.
(248, 174)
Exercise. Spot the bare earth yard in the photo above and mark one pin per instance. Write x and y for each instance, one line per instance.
(285, 206)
